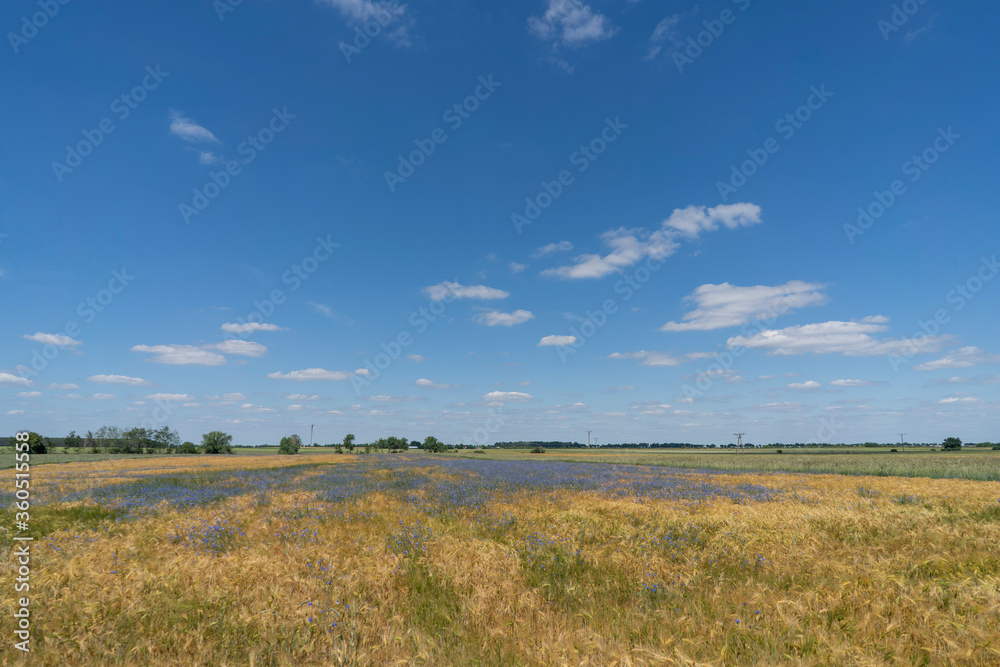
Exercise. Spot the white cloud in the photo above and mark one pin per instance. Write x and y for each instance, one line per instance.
(322, 309)
(503, 396)
(571, 23)
(65, 385)
(416, 357)
(667, 29)
(310, 374)
(59, 340)
(656, 358)
(363, 371)
(8, 378)
(726, 305)
(170, 397)
(188, 130)
(962, 399)
(244, 348)
(809, 384)
(208, 157)
(424, 382)
(118, 379)
(851, 383)
(548, 341)
(303, 397)
(693, 220)
(786, 405)
(496, 318)
(629, 246)
(964, 357)
(92, 397)
(451, 290)
(228, 399)
(388, 13)
(516, 268)
(562, 246)
(852, 339)
(293, 407)
(15, 412)
(29, 394)
(250, 327)
(181, 355)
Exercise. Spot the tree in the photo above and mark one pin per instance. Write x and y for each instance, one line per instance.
(166, 439)
(952, 444)
(188, 448)
(137, 440)
(35, 443)
(217, 442)
(432, 444)
(72, 440)
(290, 444)
(349, 442)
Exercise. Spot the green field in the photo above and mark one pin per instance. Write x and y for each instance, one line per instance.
(973, 463)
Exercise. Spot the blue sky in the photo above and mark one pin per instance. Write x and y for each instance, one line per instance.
(659, 221)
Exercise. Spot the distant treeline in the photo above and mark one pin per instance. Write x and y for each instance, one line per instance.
(528, 444)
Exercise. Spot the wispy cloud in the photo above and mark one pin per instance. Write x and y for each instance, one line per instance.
(852, 339)
(629, 246)
(59, 340)
(505, 396)
(808, 384)
(659, 358)
(170, 397)
(181, 355)
(387, 13)
(310, 374)
(495, 318)
(666, 30)
(188, 130)
(424, 382)
(571, 23)
(549, 341)
(16, 380)
(452, 290)
(562, 246)
(118, 379)
(964, 357)
(243, 348)
(250, 327)
(851, 383)
(726, 305)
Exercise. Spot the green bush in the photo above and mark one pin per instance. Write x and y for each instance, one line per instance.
(290, 444)
(952, 444)
(538, 450)
(778, 451)
(188, 448)
(217, 442)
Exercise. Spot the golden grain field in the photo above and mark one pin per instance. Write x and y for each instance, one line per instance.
(416, 559)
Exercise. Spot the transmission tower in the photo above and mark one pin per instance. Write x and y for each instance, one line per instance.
(739, 442)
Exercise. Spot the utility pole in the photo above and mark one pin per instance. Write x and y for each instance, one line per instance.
(901, 439)
(588, 437)
(739, 442)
